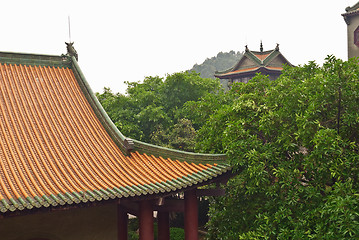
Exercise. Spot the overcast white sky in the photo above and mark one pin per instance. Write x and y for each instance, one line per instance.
(121, 41)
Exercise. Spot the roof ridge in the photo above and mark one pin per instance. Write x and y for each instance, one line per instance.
(264, 52)
(351, 8)
(34, 59)
(270, 57)
(179, 155)
(100, 112)
(350, 11)
(253, 57)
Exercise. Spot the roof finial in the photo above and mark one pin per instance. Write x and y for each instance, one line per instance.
(261, 48)
(247, 48)
(71, 51)
(277, 47)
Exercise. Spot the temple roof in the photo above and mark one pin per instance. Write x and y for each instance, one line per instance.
(351, 11)
(58, 146)
(251, 62)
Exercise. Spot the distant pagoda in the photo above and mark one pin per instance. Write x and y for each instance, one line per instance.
(266, 62)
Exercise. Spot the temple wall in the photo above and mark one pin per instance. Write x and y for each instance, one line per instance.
(353, 50)
(88, 223)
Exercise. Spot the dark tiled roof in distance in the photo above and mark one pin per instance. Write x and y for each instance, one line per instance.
(56, 149)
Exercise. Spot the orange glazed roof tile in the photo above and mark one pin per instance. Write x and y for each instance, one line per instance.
(261, 56)
(56, 148)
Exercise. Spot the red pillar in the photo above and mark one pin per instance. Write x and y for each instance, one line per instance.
(146, 220)
(122, 222)
(163, 224)
(191, 215)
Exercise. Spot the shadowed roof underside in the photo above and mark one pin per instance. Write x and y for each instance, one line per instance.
(55, 150)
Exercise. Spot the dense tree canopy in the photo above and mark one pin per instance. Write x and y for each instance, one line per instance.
(151, 109)
(295, 143)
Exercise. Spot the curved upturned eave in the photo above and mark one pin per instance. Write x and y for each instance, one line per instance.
(97, 195)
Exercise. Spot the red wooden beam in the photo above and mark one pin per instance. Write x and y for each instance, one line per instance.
(171, 205)
(130, 206)
(211, 192)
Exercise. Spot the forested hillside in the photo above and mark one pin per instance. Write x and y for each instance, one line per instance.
(221, 62)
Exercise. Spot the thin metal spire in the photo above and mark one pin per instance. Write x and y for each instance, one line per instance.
(69, 28)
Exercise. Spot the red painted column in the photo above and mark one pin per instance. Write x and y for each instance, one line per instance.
(122, 222)
(191, 215)
(146, 220)
(163, 224)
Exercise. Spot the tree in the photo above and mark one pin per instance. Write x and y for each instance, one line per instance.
(181, 136)
(179, 88)
(155, 104)
(294, 142)
(201, 110)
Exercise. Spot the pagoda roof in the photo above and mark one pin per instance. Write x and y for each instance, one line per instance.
(59, 147)
(351, 11)
(252, 62)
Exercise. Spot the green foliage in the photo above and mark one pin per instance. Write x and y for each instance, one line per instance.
(179, 88)
(221, 62)
(133, 225)
(201, 110)
(181, 136)
(210, 136)
(295, 141)
(133, 235)
(154, 105)
(176, 233)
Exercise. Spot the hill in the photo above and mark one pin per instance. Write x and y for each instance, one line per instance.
(222, 61)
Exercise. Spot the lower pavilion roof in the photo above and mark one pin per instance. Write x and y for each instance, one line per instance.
(58, 146)
(253, 71)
